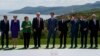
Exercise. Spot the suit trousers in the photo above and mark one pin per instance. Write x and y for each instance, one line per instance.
(3, 34)
(51, 34)
(62, 37)
(94, 38)
(26, 39)
(74, 36)
(84, 38)
(37, 38)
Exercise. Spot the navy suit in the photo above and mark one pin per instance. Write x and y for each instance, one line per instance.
(84, 33)
(74, 32)
(4, 32)
(94, 28)
(52, 25)
(63, 28)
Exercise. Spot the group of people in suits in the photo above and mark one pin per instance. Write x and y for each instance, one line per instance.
(81, 25)
(5, 27)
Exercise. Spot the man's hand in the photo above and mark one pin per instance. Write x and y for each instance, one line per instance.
(26, 27)
(34, 30)
(85, 29)
(55, 29)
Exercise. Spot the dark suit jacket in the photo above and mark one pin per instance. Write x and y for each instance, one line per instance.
(83, 25)
(74, 26)
(0, 25)
(4, 26)
(62, 26)
(35, 24)
(92, 26)
(52, 24)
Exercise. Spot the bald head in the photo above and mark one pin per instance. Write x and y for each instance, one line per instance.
(94, 16)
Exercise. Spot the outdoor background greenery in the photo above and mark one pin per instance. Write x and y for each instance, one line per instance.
(45, 32)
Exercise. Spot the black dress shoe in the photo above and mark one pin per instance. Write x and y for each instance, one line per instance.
(96, 47)
(71, 47)
(85, 47)
(7, 48)
(75, 47)
(39, 46)
(36, 47)
(91, 47)
(24, 48)
(64, 47)
(60, 47)
(47, 47)
(81, 47)
(13, 47)
(52, 47)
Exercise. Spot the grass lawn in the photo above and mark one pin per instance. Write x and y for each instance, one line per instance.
(44, 41)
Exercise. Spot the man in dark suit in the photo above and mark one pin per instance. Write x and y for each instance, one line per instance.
(74, 30)
(94, 28)
(52, 27)
(38, 26)
(63, 28)
(84, 31)
(4, 26)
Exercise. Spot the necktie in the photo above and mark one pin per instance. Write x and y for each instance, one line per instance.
(94, 22)
(5, 21)
(62, 21)
(38, 22)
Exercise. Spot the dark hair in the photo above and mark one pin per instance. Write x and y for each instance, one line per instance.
(52, 13)
(73, 15)
(14, 16)
(5, 16)
(25, 17)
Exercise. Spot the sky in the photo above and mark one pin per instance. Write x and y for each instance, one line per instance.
(18, 4)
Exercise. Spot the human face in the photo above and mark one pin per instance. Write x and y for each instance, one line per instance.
(26, 19)
(81, 17)
(38, 14)
(94, 17)
(5, 17)
(52, 15)
(63, 17)
(15, 17)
